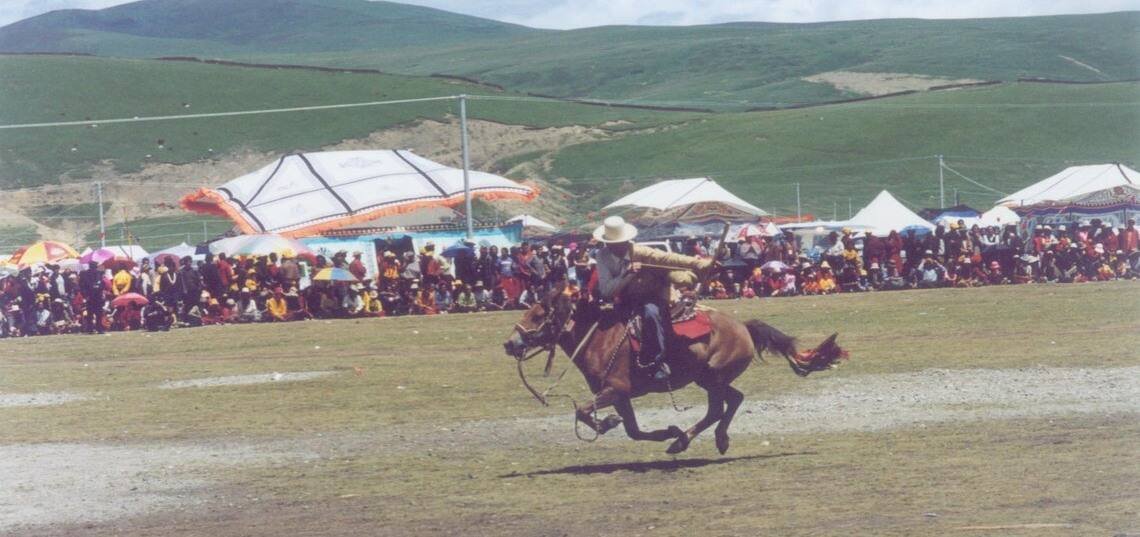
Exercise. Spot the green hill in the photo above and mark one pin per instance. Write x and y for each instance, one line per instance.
(180, 27)
(1003, 136)
(739, 64)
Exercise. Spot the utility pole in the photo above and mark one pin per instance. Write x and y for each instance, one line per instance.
(941, 186)
(798, 217)
(466, 165)
(102, 226)
(849, 213)
(834, 210)
(957, 200)
(205, 236)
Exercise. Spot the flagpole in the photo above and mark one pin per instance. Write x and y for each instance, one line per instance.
(466, 165)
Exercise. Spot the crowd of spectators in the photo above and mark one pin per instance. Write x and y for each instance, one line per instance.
(219, 290)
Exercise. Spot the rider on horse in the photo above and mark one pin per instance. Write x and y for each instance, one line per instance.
(621, 280)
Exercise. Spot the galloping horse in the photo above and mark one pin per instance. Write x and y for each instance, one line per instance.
(603, 353)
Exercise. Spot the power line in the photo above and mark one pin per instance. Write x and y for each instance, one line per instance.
(971, 181)
(137, 119)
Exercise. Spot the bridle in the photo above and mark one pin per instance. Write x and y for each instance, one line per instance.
(531, 336)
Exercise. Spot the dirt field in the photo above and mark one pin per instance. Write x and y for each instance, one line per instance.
(1017, 422)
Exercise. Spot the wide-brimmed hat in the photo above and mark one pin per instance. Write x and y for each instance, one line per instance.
(615, 229)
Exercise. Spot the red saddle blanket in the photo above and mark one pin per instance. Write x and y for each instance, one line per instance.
(692, 329)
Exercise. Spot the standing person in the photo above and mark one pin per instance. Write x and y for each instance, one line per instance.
(189, 284)
(466, 268)
(92, 287)
(1129, 237)
(212, 277)
(873, 249)
(489, 265)
(356, 267)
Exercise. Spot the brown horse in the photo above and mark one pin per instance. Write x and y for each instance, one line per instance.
(603, 354)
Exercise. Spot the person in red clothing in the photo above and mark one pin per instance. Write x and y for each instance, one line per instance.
(357, 266)
(225, 271)
(1130, 237)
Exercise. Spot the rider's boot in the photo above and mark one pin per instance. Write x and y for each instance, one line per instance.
(653, 331)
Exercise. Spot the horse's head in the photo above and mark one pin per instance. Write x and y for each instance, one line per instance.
(542, 324)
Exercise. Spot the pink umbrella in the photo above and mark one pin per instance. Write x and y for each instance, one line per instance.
(129, 298)
(99, 256)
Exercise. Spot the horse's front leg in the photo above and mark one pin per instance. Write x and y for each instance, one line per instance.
(585, 411)
(625, 409)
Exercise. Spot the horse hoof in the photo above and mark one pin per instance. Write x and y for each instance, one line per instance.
(678, 445)
(609, 422)
(722, 443)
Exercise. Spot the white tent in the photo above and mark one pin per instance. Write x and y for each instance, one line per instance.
(305, 193)
(687, 200)
(1074, 182)
(999, 216)
(130, 251)
(532, 222)
(884, 214)
(179, 251)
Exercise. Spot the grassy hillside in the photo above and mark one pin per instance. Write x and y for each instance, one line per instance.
(1004, 136)
(39, 89)
(178, 27)
(757, 63)
(765, 63)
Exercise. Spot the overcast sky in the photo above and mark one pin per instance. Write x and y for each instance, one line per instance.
(584, 13)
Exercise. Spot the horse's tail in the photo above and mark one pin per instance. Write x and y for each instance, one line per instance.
(766, 337)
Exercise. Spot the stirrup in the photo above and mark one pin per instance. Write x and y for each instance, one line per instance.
(662, 372)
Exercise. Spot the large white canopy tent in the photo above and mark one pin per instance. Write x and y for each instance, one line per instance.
(1074, 183)
(685, 200)
(885, 214)
(305, 193)
(533, 225)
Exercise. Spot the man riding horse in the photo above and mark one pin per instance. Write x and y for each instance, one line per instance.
(623, 282)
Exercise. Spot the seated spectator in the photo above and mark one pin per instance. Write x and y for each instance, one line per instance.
(157, 316)
(929, 273)
(826, 279)
(424, 302)
(277, 307)
(465, 301)
(994, 275)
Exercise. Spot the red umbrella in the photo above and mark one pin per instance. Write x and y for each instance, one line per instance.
(129, 298)
(308, 257)
(118, 263)
(160, 259)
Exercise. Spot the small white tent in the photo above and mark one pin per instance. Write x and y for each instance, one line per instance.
(529, 221)
(884, 214)
(999, 216)
(1074, 182)
(687, 200)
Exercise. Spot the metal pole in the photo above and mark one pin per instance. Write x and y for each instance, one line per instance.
(798, 218)
(941, 186)
(205, 236)
(466, 165)
(849, 213)
(834, 210)
(102, 226)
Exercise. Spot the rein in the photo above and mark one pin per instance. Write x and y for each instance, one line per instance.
(550, 349)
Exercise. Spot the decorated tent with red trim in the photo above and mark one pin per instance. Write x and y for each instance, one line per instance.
(303, 194)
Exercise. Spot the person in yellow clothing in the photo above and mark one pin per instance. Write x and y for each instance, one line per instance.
(276, 306)
(826, 279)
(121, 283)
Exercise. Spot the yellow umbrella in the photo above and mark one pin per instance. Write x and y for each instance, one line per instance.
(42, 252)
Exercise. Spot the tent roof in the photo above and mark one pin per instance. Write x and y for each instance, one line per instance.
(884, 214)
(531, 221)
(1073, 182)
(306, 193)
(682, 196)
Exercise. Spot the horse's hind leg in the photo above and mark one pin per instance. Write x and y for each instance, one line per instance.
(625, 409)
(732, 399)
(585, 411)
(714, 413)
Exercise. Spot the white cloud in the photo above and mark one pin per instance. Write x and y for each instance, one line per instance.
(585, 13)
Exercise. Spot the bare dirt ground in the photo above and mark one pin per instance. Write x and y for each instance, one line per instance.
(881, 83)
(62, 489)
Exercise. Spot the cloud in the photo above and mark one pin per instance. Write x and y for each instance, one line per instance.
(585, 13)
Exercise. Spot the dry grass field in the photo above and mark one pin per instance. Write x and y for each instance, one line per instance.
(993, 411)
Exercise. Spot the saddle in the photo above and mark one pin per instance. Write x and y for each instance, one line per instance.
(689, 323)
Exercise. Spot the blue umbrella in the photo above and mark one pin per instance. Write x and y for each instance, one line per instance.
(455, 249)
